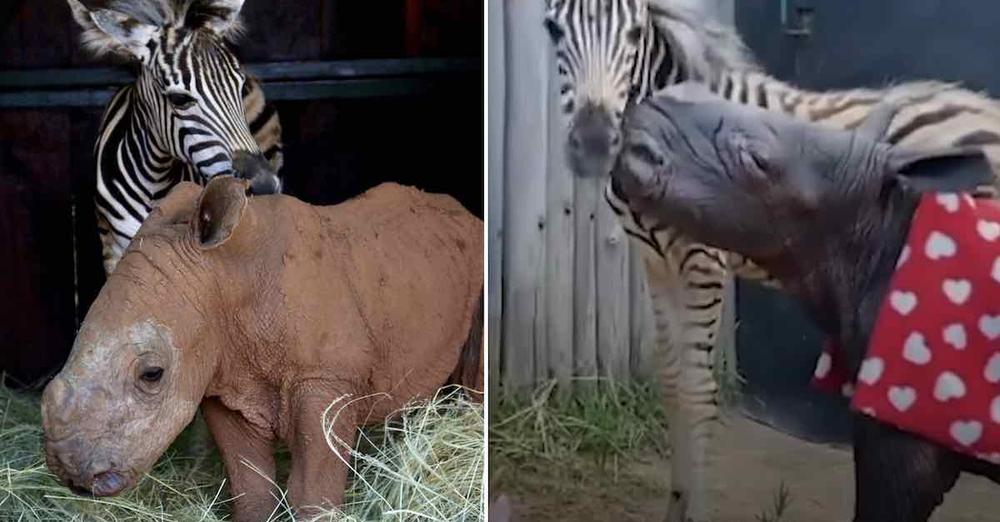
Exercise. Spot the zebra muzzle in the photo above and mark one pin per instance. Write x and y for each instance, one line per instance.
(255, 169)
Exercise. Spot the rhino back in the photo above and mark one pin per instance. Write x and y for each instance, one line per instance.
(387, 284)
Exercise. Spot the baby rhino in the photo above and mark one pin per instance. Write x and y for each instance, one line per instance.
(828, 213)
(263, 312)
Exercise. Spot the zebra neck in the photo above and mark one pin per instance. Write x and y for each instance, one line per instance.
(128, 152)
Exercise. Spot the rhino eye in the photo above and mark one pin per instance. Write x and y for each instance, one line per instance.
(152, 374)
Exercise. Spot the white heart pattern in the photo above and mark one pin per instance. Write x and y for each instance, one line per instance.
(957, 290)
(996, 270)
(949, 386)
(995, 410)
(949, 201)
(871, 370)
(989, 230)
(823, 365)
(954, 335)
(990, 326)
(902, 397)
(992, 371)
(903, 302)
(915, 349)
(939, 246)
(966, 432)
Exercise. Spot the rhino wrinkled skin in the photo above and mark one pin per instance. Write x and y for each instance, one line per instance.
(823, 210)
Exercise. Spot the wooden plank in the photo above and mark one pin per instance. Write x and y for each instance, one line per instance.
(38, 36)
(559, 238)
(611, 247)
(363, 29)
(37, 316)
(442, 27)
(641, 327)
(496, 97)
(585, 201)
(283, 30)
(89, 268)
(524, 201)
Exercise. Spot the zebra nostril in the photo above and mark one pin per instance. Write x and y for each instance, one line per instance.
(616, 139)
(574, 142)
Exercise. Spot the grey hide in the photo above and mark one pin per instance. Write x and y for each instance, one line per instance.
(825, 211)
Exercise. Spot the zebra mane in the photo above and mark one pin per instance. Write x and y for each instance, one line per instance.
(189, 13)
(698, 43)
(219, 17)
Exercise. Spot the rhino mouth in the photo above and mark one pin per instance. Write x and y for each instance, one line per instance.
(86, 476)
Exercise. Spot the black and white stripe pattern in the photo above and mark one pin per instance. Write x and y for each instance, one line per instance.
(594, 53)
(191, 109)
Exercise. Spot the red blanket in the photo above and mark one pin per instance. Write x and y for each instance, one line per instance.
(933, 362)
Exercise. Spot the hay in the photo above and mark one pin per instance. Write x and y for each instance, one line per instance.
(425, 465)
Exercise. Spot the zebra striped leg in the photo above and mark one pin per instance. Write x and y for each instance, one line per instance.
(686, 287)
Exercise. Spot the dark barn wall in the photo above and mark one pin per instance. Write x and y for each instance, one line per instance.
(335, 148)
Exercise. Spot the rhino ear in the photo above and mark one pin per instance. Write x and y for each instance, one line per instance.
(110, 32)
(219, 211)
(947, 170)
(176, 206)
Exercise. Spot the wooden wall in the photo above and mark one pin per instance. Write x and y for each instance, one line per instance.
(574, 300)
(334, 148)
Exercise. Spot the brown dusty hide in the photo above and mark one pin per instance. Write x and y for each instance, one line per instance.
(266, 310)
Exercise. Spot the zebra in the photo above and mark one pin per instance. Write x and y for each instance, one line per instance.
(191, 114)
(610, 53)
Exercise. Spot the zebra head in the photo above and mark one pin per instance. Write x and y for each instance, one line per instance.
(190, 85)
(598, 45)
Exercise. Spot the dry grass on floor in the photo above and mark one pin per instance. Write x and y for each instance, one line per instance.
(425, 465)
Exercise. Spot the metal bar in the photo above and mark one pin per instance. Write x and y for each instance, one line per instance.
(63, 98)
(272, 71)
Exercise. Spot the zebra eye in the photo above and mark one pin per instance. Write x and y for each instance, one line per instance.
(245, 90)
(633, 35)
(180, 100)
(555, 32)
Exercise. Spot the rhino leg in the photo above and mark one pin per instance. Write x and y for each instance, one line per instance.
(249, 460)
(899, 477)
(317, 477)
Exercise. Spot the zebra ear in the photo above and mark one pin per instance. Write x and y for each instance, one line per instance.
(110, 32)
(221, 17)
(219, 211)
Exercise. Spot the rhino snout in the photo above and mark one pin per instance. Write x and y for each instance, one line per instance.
(70, 454)
(83, 469)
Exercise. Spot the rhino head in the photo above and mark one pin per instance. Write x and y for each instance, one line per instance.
(148, 347)
(765, 184)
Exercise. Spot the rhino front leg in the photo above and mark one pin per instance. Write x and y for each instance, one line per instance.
(317, 477)
(248, 456)
(898, 477)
